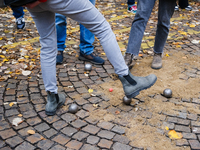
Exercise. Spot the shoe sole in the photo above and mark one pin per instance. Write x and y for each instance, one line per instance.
(138, 91)
(58, 63)
(156, 68)
(132, 12)
(54, 112)
(84, 59)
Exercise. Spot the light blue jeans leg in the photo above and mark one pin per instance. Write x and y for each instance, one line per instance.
(86, 39)
(84, 12)
(61, 31)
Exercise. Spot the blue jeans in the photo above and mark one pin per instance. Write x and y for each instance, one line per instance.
(86, 37)
(131, 3)
(17, 12)
(144, 9)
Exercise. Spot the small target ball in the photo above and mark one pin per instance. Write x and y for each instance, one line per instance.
(110, 90)
(126, 100)
(88, 67)
(73, 108)
(167, 93)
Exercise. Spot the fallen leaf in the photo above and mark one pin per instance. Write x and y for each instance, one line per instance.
(174, 135)
(95, 105)
(31, 131)
(140, 55)
(17, 121)
(192, 25)
(26, 72)
(20, 115)
(167, 55)
(92, 95)
(167, 128)
(11, 104)
(90, 90)
(117, 112)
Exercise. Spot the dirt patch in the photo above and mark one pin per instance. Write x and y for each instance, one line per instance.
(144, 132)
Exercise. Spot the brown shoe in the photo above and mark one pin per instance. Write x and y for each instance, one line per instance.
(157, 61)
(129, 60)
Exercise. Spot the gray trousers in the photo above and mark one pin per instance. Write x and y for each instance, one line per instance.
(85, 13)
(165, 12)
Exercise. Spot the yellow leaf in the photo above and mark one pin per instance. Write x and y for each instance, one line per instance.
(26, 56)
(11, 104)
(4, 60)
(178, 46)
(31, 131)
(183, 33)
(167, 55)
(167, 128)
(2, 56)
(21, 60)
(20, 115)
(103, 53)
(174, 135)
(192, 25)
(151, 27)
(90, 90)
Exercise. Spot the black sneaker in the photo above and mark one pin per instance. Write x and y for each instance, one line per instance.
(91, 58)
(20, 23)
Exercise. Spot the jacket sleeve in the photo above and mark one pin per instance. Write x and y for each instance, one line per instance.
(42, 1)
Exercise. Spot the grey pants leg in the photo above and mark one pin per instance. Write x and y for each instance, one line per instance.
(166, 9)
(85, 13)
(165, 12)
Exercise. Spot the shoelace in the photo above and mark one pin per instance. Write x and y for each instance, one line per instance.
(20, 20)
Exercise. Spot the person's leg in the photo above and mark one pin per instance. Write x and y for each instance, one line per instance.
(45, 23)
(137, 30)
(86, 47)
(183, 3)
(165, 12)
(91, 18)
(18, 13)
(61, 36)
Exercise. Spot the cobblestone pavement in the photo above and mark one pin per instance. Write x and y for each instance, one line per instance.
(24, 97)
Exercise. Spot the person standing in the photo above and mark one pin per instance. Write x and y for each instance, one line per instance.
(165, 12)
(18, 13)
(86, 41)
(84, 12)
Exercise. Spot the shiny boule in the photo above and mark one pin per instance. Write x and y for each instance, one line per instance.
(126, 100)
(88, 67)
(73, 108)
(167, 93)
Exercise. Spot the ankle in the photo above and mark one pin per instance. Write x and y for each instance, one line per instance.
(130, 80)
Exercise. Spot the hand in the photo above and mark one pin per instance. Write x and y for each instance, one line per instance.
(32, 5)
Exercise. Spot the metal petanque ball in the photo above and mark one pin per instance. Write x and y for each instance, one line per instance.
(88, 67)
(73, 108)
(126, 100)
(167, 93)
